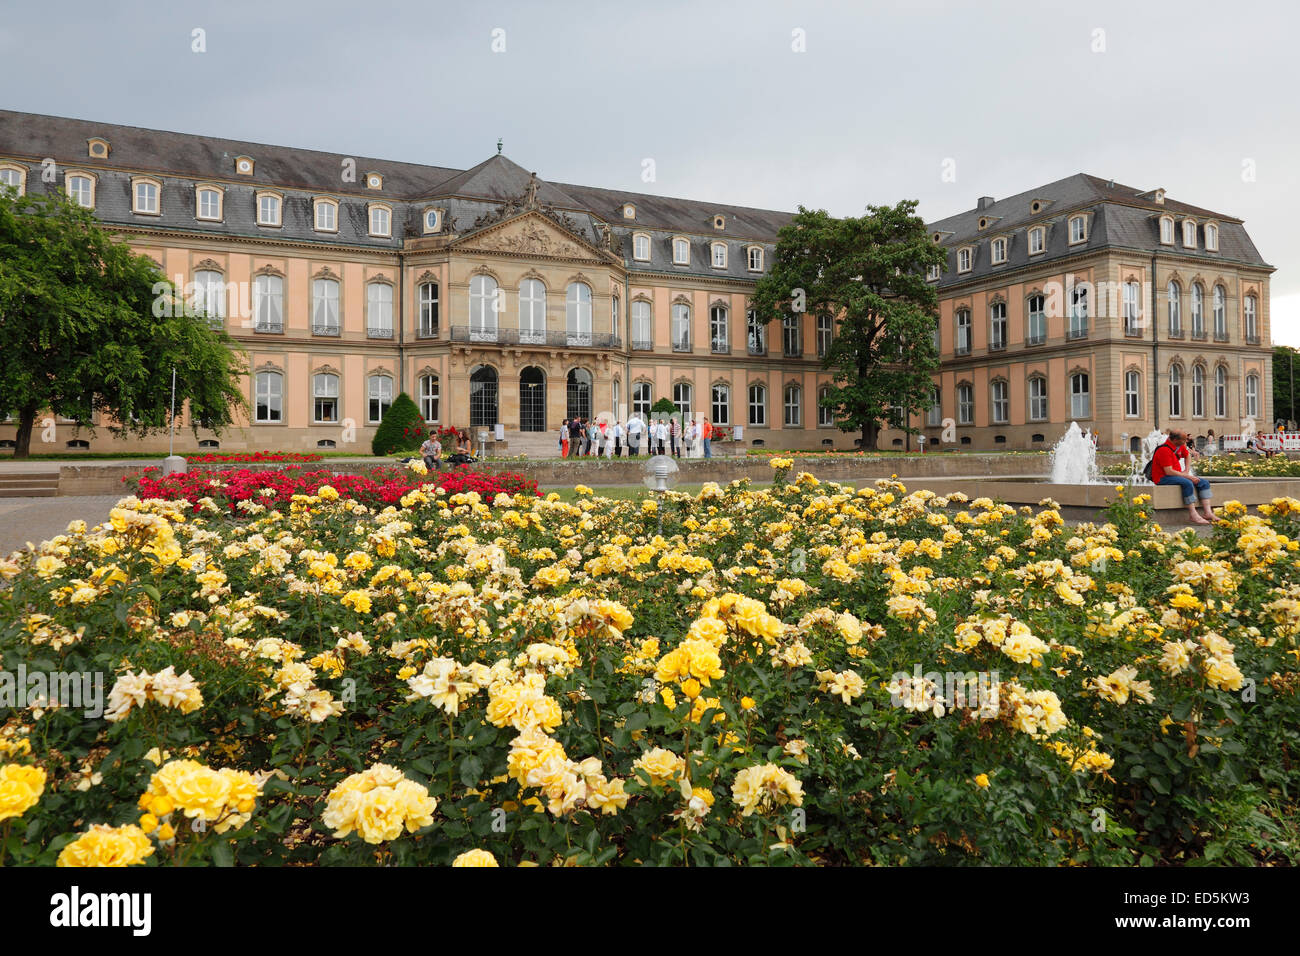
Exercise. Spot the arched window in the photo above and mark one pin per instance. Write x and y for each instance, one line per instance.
(642, 399)
(379, 310)
(325, 397)
(683, 396)
(756, 333)
(326, 215)
(268, 304)
(429, 396)
(825, 415)
(1175, 391)
(1132, 394)
(268, 209)
(532, 400)
(1198, 391)
(999, 393)
(1080, 396)
(269, 397)
(1038, 399)
(483, 307)
(1221, 392)
(532, 311)
(483, 409)
(208, 203)
(641, 247)
(1189, 234)
(1252, 327)
(1174, 294)
(681, 327)
(146, 195)
(579, 393)
(681, 252)
(963, 332)
(719, 250)
(381, 221)
(210, 296)
(81, 190)
(998, 326)
(1211, 237)
(325, 307)
(965, 404)
(379, 392)
(758, 406)
(428, 310)
(1078, 229)
(793, 406)
(1198, 310)
(934, 414)
(755, 258)
(1220, 313)
(15, 177)
(721, 404)
(719, 329)
(642, 333)
(577, 312)
(1036, 332)
(1252, 396)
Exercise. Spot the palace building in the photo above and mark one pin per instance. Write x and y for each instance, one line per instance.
(493, 297)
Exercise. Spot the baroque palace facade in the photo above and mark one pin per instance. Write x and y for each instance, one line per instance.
(493, 297)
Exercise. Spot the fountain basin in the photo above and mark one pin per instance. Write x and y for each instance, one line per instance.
(1031, 489)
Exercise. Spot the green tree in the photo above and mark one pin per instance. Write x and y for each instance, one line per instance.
(867, 274)
(1284, 382)
(663, 406)
(88, 326)
(402, 429)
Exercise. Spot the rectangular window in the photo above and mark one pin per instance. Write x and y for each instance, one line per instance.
(1036, 329)
(642, 338)
(641, 248)
(1079, 312)
(719, 256)
(146, 198)
(1001, 403)
(934, 414)
(963, 260)
(824, 326)
(325, 392)
(1132, 310)
(325, 307)
(756, 334)
(681, 328)
(719, 334)
(681, 252)
(1078, 229)
(1038, 399)
(999, 251)
(791, 340)
(268, 211)
(1035, 241)
(755, 259)
(428, 310)
(326, 219)
(965, 405)
(641, 399)
(963, 333)
(998, 327)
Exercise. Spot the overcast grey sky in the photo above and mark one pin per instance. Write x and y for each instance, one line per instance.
(1184, 95)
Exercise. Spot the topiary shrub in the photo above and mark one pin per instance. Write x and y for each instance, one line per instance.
(402, 429)
(664, 405)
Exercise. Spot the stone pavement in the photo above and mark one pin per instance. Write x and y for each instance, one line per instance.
(39, 519)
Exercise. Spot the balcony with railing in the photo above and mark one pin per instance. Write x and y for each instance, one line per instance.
(426, 332)
(642, 345)
(324, 328)
(563, 339)
(379, 332)
(269, 327)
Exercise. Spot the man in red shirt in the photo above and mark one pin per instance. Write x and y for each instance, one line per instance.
(1169, 467)
(706, 433)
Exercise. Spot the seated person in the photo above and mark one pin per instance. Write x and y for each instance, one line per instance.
(432, 452)
(1169, 467)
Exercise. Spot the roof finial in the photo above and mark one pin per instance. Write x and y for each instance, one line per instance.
(499, 144)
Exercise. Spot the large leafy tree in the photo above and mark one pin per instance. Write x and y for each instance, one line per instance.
(88, 326)
(868, 275)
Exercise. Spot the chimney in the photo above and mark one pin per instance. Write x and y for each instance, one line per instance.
(984, 203)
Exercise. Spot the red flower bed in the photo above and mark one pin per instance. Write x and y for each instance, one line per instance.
(276, 487)
(237, 457)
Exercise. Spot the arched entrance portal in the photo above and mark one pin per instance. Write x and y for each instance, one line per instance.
(483, 397)
(532, 400)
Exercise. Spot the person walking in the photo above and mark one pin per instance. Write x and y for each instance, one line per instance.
(672, 437)
(1169, 467)
(661, 435)
(706, 434)
(564, 439)
(634, 435)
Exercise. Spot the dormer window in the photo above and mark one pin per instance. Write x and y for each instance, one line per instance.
(963, 259)
(1078, 229)
(932, 274)
(268, 208)
(432, 220)
(327, 215)
(81, 189)
(146, 196)
(719, 251)
(1211, 237)
(381, 221)
(641, 247)
(629, 211)
(207, 203)
(1189, 233)
(681, 252)
(97, 148)
(1037, 243)
(14, 177)
(999, 248)
(244, 165)
(1167, 230)
(755, 258)
(719, 221)
(374, 181)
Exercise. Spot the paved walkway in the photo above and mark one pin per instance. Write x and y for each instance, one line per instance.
(39, 519)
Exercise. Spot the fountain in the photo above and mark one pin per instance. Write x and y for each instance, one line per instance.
(1074, 459)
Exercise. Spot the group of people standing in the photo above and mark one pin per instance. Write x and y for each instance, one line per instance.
(581, 437)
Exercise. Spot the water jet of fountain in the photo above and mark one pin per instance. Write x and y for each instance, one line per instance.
(1074, 459)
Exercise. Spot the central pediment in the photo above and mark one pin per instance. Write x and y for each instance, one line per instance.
(533, 234)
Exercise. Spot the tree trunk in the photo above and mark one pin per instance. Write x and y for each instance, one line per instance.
(23, 440)
(870, 432)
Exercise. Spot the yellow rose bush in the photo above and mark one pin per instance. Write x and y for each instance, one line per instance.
(813, 674)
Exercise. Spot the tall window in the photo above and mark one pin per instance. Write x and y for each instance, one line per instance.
(641, 247)
(1167, 231)
(1198, 391)
(1221, 392)
(642, 337)
(1132, 310)
(998, 326)
(965, 404)
(681, 327)
(1174, 293)
(1198, 310)
(642, 398)
(1035, 240)
(682, 395)
(1175, 391)
(325, 397)
(1036, 331)
(719, 255)
(998, 251)
(429, 398)
(1001, 402)
(379, 391)
(1038, 399)
(1252, 396)
(428, 310)
(1132, 394)
(755, 259)
(934, 414)
(824, 326)
(791, 339)
(963, 260)
(1078, 229)
(758, 406)
(1252, 328)
(756, 332)
(81, 190)
(1189, 234)
(793, 401)
(721, 402)
(963, 332)
(825, 414)
(210, 296)
(269, 397)
(577, 313)
(532, 311)
(483, 298)
(681, 252)
(268, 304)
(379, 310)
(1080, 396)
(209, 204)
(719, 329)
(483, 396)
(325, 306)
(1078, 312)
(1220, 313)
(615, 314)
(1211, 237)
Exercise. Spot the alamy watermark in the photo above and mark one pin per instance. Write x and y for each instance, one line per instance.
(23, 689)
